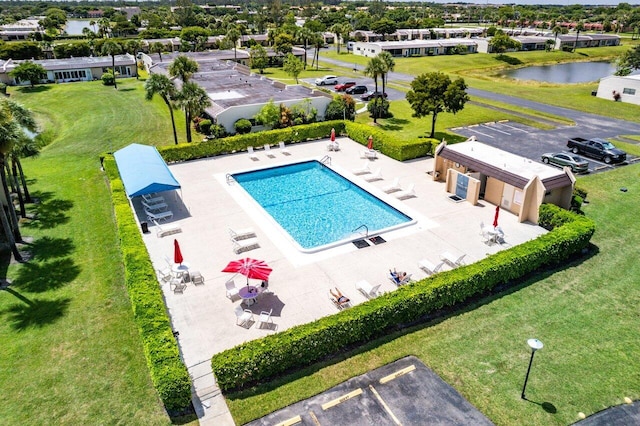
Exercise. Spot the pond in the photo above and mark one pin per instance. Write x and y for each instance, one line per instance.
(75, 26)
(574, 72)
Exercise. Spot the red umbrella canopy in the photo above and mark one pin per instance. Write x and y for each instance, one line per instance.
(251, 268)
(495, 218)
(177, 254)
(333, 135)
(370, 142)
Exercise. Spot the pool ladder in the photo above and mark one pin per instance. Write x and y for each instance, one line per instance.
(326, 160)
(229, 179)
(366, 230)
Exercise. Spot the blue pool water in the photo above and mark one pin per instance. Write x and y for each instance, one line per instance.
(316, 205)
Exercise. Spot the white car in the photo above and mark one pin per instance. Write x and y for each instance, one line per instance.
(327, 79)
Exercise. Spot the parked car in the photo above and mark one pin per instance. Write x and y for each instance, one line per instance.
(357, 90)
(370, 95)
(344, 86)
(327, 79)
(577, 164)
(597, 148)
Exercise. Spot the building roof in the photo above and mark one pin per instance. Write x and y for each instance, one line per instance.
(505, 166)
(73, 63)
(408, 44)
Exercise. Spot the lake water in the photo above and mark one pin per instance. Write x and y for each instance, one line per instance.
(575, 72)
(75, 26)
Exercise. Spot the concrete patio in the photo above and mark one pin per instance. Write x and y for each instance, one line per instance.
(207, 206)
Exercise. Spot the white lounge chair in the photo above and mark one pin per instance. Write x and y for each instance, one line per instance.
(406, 193)
(396, 281)
(394, 187)
(232, 290)
(362, 170)
(367, 289)
(240, 246)
(267, 151)
(241, 234)
(153, 200)
(429, 267)
(333, 146)
(339, 305)
(196, 277)
(452, 260)
(264, 318)
(369, 154)
(159, 207)
(167, 230)
(283, 149)
(252, 154)
(159, 216)
(244, 317)
(377, 175)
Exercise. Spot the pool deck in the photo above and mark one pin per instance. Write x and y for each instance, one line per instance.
(207, 206)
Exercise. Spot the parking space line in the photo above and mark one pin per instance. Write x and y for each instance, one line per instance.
(397, 374)
(384, 405)
(495, 130)
(291, 421)
(515, 128)
(483, 134)
(342, 399)
(314, 418)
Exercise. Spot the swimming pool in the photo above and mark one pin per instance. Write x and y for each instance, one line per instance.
(318, 207)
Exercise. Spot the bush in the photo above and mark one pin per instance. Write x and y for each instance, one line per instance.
(242, 126)
(3, 88)
(108, 79)
(204, 126)
(382, 106)
(266, 358)
(218, 131)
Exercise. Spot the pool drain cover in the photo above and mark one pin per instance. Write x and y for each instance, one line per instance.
(377, 240)
(361, 243)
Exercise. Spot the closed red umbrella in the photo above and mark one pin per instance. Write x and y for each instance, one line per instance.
(495, 218)
(333, 135)
(370, 142)
(251, 268)
(177, 254)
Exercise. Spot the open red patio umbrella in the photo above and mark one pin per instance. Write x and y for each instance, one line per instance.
(495, 218)
(177, 254)
(333, 135)
(251, 268)
(370, 142)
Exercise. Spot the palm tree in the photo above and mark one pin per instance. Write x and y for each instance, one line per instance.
(304, 35)
(133, 46)
(317, 42)
(183, 68)
(374, 69)
(579, 27)
(388, 65)
(161, 85)
(112, 48)
(233, 35)
(157, 47)
(104, 27)
(24, 147)
(337, 30)
(556, 30)
(193, 99)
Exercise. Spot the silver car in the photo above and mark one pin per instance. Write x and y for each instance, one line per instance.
(576, 163)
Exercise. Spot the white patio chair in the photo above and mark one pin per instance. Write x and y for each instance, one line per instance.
(244, 317)
(369, 154)
(393, 187)
(232, 290)
(429, 267)
(164, 274)
(267, 151)
(241, 234)
(367, 289)
(240, 246)
(333, 146)
(252, 155)
(196, 277)
(153, 200)
(362, 170)
(283, 149)
(178, 285)
(159, 207)
(158, 216)
(452, 260)
(406, 193)
(377, 175)
(167, 230)
(264, 318)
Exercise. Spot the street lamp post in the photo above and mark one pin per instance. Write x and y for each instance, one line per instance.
(534, 344)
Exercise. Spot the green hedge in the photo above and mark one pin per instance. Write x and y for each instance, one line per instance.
(389, 143)
(168, 373)
(263, 359)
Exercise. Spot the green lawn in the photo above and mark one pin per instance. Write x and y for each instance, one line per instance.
(71, 352)
(586, 314)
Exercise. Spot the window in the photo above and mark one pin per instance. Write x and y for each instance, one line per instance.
(628, 91)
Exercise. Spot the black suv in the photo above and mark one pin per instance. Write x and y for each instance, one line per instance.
(357, 90)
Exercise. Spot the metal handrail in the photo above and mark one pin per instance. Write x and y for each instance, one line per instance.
(229, 178)
(366, 230)
(326, 159)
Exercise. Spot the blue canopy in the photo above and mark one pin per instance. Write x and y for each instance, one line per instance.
(143, 170)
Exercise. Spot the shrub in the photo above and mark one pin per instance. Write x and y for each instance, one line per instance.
(108, 79)
(382, 107)
(277, 354)
(218, 131)
(204, 126)
(242, 126)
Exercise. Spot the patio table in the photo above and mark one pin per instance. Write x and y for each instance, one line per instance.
(248, 294)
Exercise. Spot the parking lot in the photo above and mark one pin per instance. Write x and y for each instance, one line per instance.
(527, 141)
(393, 95)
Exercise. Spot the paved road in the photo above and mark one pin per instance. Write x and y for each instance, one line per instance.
(532, 142)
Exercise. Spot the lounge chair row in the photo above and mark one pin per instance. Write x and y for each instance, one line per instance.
(267, 151)
(446, 258)
(243, 240)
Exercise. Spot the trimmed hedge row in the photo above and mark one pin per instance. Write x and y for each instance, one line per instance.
(277, 354)
(168, 373)
(386, 142)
